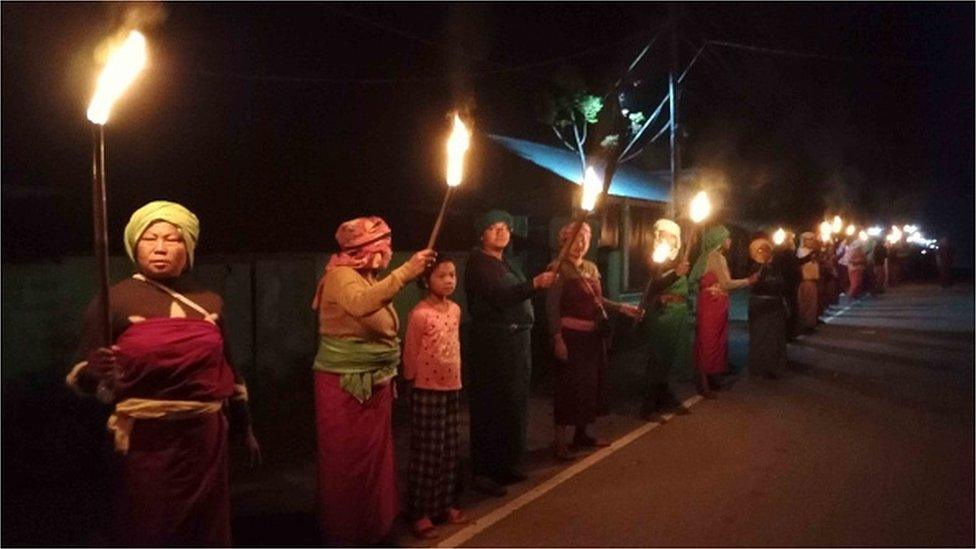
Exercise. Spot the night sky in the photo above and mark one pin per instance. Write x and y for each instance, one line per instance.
(275, 122)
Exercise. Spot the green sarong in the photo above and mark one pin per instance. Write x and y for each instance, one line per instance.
(360, 363)
(670, 330)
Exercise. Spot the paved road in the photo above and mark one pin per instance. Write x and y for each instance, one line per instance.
(867, 440)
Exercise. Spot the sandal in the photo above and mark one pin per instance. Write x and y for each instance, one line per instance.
(423, 529)
(562, 453)
(586, 441)
(456, 516)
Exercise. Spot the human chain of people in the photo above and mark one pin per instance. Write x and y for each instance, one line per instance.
(154, 346)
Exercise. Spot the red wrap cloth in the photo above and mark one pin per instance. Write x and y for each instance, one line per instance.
(173, 487)
(580, 385)
(357, 497)
(712, 329)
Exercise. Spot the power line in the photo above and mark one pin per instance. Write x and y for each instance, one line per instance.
(775, 51)
(501, 68)
(424, 79)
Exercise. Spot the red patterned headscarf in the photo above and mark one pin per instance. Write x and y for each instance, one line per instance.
(359, 239)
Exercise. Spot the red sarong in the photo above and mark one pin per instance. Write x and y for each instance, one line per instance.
(857, 282)
(357, 496)
(173, 487)
(712, 329)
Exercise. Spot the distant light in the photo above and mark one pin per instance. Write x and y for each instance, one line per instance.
(895, 235)
(918, 238)
(838, 224)
(863, 236)
(851, 229)
(779, 236)
(924, 252)
(910, 229)
(875, 231)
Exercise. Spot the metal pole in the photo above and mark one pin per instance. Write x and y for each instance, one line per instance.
(100, 224)
(672, 208)
(673, 95)
(625, 245)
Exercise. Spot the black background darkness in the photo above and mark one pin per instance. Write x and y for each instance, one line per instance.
(275, 122)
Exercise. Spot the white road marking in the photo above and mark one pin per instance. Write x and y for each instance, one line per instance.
(832, 317)
(496, 516)
(492, 518)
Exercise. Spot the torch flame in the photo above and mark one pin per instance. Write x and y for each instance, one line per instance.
(779, 236)
(701, 207)
(661, 252)
(457, 145)
(838, 224)
(850, 230)
(895, 235)
(124, 64)
(592, 187)
(825, 232)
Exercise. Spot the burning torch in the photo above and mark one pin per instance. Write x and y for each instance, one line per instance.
(699, 210)
(123, 65)
(592, 189)
(457, 145)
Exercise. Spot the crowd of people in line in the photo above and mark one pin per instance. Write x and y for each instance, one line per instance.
(178, 401)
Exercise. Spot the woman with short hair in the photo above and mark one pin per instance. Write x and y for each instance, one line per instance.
(501, 354)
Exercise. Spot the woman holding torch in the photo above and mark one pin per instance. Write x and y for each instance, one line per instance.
(668, 320)
(501, 354)
(576, 311)
(807, 293)
(711, 277)
(768, 311)
(356, 362)
(172, 386)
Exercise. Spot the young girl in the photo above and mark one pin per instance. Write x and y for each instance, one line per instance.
(432, 362)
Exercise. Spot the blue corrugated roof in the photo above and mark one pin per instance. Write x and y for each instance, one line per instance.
(627, 182)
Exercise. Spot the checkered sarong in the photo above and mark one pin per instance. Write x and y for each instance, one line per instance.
(433, 451)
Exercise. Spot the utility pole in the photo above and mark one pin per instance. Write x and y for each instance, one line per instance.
(673, 105)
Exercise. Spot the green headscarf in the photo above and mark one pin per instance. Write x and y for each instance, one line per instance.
(162, 210)
(712, 240)
(492, 217)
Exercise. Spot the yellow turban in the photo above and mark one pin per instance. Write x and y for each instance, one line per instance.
(162, 210)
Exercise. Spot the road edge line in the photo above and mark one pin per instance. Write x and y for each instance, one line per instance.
(483, 523)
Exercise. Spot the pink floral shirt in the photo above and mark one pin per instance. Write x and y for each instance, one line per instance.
(432, 351)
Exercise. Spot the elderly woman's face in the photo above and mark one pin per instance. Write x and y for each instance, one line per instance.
(497, 236)
(161, 251)
(380, 260)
